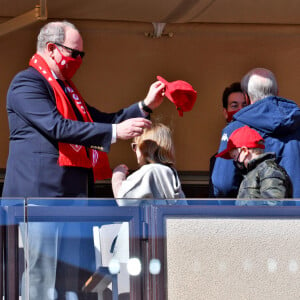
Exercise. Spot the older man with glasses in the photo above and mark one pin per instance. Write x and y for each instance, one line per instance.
(57, 140)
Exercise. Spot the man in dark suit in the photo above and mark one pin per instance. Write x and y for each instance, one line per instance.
(55, 138)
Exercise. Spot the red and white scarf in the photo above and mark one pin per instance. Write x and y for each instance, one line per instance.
(69, 154)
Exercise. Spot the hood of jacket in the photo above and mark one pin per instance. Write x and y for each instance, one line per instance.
(272, 115)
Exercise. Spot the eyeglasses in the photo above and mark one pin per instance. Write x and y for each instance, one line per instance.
(75, 52)
(133, 146)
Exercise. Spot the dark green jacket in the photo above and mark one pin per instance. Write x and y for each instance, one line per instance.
(264, 179)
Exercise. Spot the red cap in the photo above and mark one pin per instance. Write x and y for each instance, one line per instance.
(181, 93)
(242, 137)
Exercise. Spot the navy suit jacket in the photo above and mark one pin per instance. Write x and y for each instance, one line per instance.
(36, 127)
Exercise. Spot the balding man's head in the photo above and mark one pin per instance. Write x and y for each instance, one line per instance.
(259, 83)
(54, 32)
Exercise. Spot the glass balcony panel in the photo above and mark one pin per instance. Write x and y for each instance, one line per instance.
(85, 244)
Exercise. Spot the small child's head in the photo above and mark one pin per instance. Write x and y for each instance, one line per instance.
(243, 145)
(155, 145)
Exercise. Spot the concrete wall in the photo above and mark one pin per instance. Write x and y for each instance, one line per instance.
(233, 259)
(121, 63)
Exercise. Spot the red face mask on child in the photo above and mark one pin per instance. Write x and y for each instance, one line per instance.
(68, 65)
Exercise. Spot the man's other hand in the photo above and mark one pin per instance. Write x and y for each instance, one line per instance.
(131, 128)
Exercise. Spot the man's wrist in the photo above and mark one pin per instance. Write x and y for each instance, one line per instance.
(146, 108)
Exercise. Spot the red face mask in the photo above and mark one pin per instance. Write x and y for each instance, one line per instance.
(230, 115)
(68, 65)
